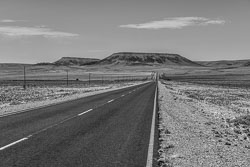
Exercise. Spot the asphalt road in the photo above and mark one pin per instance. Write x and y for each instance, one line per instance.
(109, 129)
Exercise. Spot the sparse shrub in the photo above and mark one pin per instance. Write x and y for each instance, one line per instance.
(243, 120)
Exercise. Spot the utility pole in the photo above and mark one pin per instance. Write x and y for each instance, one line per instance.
(67, 77)
(89, 79)
(24, 78)
(102, 79)
(156, 76)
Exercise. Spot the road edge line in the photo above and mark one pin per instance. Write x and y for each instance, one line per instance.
(152, 133)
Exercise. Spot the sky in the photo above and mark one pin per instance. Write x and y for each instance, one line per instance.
(33, 31)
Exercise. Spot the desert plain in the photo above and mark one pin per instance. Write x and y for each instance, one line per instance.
(203, 111)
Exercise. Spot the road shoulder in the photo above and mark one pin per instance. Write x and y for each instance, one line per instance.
(192, 133)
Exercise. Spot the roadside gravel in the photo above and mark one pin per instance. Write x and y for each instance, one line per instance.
(201, 133)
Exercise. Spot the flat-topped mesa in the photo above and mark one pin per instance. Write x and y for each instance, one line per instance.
(136, 58)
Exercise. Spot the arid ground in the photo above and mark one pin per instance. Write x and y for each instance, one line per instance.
(204, 112)
(204, 117)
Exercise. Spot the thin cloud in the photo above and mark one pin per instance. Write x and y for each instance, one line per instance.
(176, 23)
(11, 21)
(16, 31)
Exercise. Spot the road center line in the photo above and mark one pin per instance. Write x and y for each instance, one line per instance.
(110, 101)
(26, 138)
(152, 134)
(11, 144)
(85, 112)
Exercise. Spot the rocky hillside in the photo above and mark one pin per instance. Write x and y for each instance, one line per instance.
(132, 58)
(66, 61)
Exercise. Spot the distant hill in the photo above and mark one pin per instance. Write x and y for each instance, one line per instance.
(14, 65)
(137, 59)
(226, 63)
(66, 61)
(43, 64)
(133, 58)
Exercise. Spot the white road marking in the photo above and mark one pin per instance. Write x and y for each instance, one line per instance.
(110, 101)
(152, 134)
(52, 126)
(46, 128)
(26, 110)
(26, 138)
(11, 144)
(85, 112)
(29, 136)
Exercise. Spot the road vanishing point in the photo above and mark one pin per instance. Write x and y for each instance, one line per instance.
(115, 128)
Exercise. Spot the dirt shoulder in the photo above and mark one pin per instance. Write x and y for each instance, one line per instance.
(14, 99)
(203, 125)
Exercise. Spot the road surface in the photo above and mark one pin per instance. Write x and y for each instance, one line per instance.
(109, 129)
